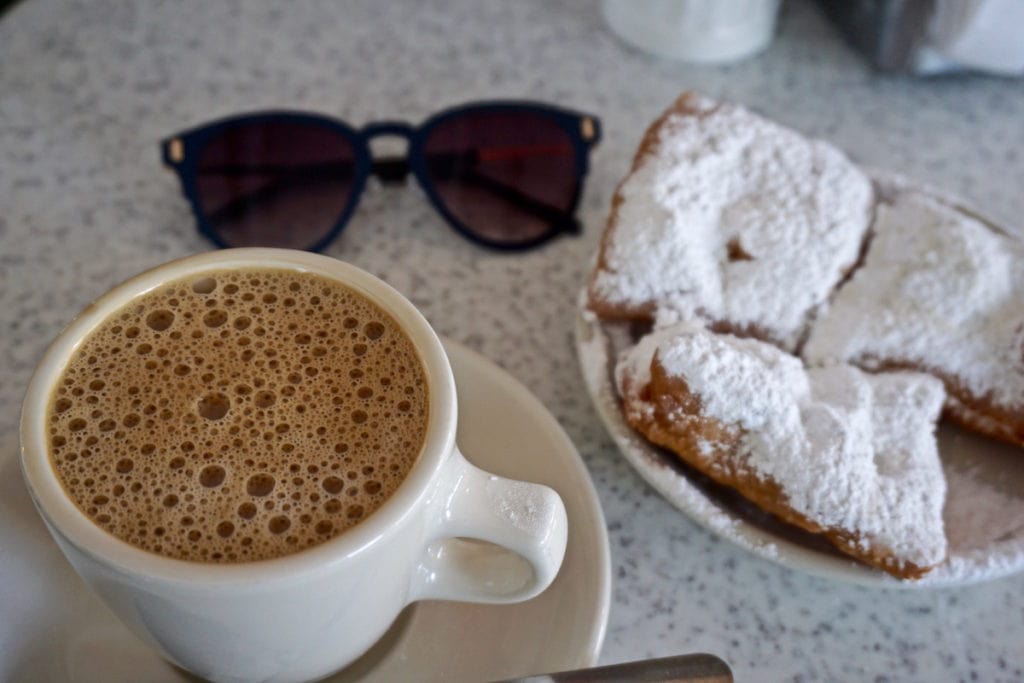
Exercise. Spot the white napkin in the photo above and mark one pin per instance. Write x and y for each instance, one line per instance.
(974, 34)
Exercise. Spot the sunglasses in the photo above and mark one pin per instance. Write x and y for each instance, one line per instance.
(506, 175)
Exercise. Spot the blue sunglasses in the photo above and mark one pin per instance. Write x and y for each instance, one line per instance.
(505, 175)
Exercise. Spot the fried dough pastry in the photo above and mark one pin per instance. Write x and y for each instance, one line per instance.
(939, 292)
(732, 219)
(834, 451)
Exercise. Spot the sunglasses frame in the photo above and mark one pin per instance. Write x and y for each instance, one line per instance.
(181, 152)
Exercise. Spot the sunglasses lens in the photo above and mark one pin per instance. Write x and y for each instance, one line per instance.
(509, 177)
(275, 183)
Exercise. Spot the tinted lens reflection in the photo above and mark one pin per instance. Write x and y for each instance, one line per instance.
(275, 183)
(507, 176)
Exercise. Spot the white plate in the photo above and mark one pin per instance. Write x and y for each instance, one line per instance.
(53, 629)
(984, 513)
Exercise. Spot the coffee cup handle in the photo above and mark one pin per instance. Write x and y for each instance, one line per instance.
(492, 540)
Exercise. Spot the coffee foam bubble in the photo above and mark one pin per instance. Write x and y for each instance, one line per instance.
(238, 415)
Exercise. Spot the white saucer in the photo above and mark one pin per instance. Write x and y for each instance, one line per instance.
(52, 628)
(984, 512)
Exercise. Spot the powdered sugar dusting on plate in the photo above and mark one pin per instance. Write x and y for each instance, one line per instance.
(710, 219)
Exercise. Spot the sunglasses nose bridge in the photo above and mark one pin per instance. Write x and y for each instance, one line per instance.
(380, 128)
(389, 169)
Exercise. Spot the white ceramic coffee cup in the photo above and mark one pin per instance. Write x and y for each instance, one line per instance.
(303, 616)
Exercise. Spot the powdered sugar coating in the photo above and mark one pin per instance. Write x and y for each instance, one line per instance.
(849, 450)
(711, 218)
(938, 289)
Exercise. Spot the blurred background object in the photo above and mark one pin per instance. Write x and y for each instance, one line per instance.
(6, 5)
(935, 36)
(694, 30)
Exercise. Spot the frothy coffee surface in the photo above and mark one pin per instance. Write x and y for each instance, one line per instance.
(238, 415)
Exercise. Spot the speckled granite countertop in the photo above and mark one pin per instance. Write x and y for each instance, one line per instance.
(87, 89)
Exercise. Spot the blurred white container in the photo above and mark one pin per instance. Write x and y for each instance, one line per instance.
(694, 30)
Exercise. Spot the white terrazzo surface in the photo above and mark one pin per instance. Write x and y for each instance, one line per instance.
(87, 89)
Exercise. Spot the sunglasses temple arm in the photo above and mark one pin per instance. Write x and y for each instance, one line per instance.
(296, 176)
(557, 217)
(458, 166)
(285, 178)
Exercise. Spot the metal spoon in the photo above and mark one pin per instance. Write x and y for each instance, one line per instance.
(696, 668)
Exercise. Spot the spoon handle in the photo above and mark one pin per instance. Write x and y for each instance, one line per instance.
(696, 668)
